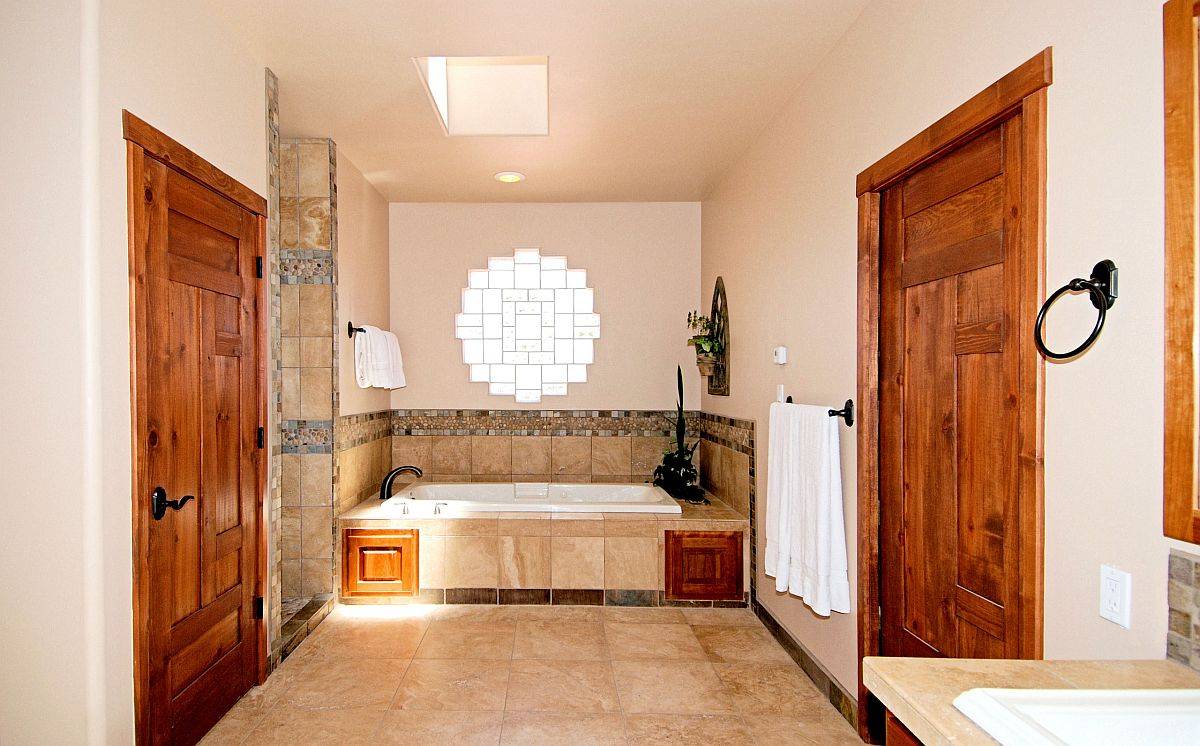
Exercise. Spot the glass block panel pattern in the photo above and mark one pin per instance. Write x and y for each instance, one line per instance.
(528, 325)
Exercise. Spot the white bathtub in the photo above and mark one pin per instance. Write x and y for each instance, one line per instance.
(424, 499)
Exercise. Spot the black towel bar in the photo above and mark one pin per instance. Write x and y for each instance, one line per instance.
(351, 329)
(846, 412)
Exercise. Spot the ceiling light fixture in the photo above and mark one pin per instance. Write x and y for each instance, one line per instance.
(509, 177)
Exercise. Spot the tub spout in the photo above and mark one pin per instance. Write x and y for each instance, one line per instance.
(385, 490)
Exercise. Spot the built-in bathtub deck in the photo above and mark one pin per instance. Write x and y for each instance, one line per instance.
(613, 559)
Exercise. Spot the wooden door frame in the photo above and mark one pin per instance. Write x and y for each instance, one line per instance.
(1023, 90)
(142, 141)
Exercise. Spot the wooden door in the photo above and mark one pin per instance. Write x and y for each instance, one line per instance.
(950, 392)
(194, 253)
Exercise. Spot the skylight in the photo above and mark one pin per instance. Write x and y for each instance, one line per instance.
(488, 95)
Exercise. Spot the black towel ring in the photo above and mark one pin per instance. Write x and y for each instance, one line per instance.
(1101, 288)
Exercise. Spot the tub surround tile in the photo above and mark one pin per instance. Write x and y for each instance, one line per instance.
(471, 562)
(451, 454)
(577, 562)
(491, 455)
(611, 456)
(431, 551)
(531, 454)
(515, 524)
(577, 524)
(524, 561)
(571, 455)
(647, 453)
(412, 450)
(632, 563)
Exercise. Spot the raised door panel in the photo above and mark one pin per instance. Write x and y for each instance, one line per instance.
(704, 565)
(380, 562)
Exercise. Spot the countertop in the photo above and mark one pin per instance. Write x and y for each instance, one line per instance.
(920, 691)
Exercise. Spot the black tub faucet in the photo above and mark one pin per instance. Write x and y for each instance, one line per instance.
(385, 490)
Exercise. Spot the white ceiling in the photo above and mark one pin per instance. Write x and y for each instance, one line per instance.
(649, 99)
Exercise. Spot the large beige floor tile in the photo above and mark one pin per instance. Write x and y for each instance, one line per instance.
(627, 641)
(344, 683)
(669, 687)
(780, 689)
(561, 686)
(455, 639)
(561, 614)
(729, 644)
(727, 730)
(367, 638)
(643, 615)
(287, 726)
(562, 729)
(453, 685)
(556, 640)
(774, 730)
(438, 727)
(726, 617)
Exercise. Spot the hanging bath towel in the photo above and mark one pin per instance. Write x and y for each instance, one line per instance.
(806, 532)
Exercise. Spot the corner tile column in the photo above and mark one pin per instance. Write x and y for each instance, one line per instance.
(307, 206)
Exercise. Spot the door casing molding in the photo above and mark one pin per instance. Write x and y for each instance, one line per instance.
(1023, 90)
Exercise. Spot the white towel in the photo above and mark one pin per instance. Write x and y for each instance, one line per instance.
(806, 533)
(362, 360)
(377, 360)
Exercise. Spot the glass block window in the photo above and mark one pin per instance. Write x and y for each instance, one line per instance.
(528, 325)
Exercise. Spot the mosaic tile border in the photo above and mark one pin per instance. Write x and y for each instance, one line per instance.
(306, 436)
(306, 266)
(738, 435)
(546, 597)
(1183, 608)
(353, 430)
(593, 422)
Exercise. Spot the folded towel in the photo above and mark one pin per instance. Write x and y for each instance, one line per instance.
(806, 533)
(396, 378)
(362, 360)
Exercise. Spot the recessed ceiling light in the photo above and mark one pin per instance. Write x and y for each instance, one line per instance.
(509, 177)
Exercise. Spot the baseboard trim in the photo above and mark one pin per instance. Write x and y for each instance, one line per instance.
(841, 699)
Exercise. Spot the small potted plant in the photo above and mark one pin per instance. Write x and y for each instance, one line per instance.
(677, 474)
(706, 342)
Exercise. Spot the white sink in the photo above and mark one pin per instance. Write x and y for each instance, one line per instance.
(1030, 717)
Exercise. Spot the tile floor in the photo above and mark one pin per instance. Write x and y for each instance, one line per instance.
(535, 675)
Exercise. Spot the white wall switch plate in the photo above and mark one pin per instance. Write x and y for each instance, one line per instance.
(1116, 595)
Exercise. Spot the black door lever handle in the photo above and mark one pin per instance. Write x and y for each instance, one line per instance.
(159, 503)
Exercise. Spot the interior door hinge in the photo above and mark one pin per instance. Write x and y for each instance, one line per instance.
(258, 267)
(261, 438)
(258, 607)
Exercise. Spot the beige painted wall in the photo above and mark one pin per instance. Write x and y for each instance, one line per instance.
(362, 276)
(780, 226)
(44, 680)
(67, 676)
(642, 259)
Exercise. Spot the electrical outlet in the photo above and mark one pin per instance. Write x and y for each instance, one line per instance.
(1116, 595)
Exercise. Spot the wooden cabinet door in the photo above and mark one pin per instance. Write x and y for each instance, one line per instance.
(950, 395)
(379, 562)
(704, 565)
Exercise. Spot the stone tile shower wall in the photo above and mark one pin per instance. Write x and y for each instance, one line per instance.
(533, 445)
(363, 452)
(308, 354)
(1183, 608)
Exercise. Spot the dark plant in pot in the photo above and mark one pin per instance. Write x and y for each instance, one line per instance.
(677, 474)
(706, 342)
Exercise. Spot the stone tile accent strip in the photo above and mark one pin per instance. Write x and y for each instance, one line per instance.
(274, 584)
(1183, 608)
(536, 422)
(306, 267)
(307, 436)
(355, 429)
